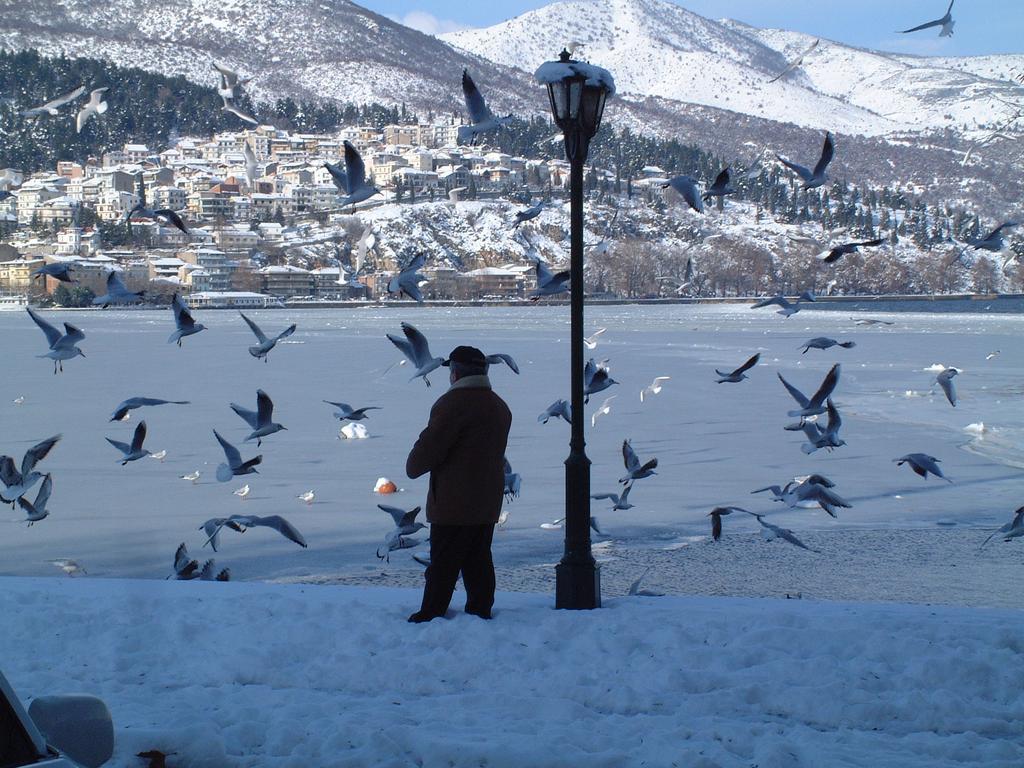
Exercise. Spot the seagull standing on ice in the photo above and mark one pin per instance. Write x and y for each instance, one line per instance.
(95, 106)
(654, 387)
(262, 350)
(945, 380)
(63, 346)
(240, 493)
(306, 497)
(135, 451)
(415, 347)
(735, 377)
(191, 476)
(261, 420)
(817, 177)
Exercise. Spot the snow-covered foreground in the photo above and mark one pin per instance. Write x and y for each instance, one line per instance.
(245, 674)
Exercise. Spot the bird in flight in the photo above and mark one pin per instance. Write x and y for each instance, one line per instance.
(946, 22)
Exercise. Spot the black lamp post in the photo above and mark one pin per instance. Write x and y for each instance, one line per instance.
(578, 92)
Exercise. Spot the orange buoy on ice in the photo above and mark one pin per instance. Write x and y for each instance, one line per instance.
(384, 486)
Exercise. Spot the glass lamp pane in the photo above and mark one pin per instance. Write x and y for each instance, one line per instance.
(575, 94)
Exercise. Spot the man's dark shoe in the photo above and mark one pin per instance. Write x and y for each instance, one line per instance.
(419, 617)
(481, 614)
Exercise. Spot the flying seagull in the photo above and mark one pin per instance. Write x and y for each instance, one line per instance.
(251, 166)
(207, 573)
(618, 502)
(1010, 530)
(482, 119)
(787, 308)
(560, 409)
(135, 451)
(735, 377)
(405, 522)
(234, 464)
(70, 567)
(993, 241)
(721, 186)
(122, 410)
(716, 515)
(798, 61)
(946, 22)
(870, 321)
(838, 251)
(922, 464)
(62, 345)
(51, 107)
(513, 482)
(230, 82)
(687, 187)
(815, 405)
(242, 522)
(528, 213)
(590, 342)
(828, 437)
(261, 420)
(36, 510)
(596, 379)
(117, 293)
(184, 566)
(654, 387)
(634, 470)
(229, 106)
(808, 493)
(95, 106)
(774, 531)
(548, 283)
(265, 344)
(408, 279)
(501, 357)
(603, 410)
(163, 216)
(347, 412)
(945, 380)
(352, 181)
(58, 271)
(414, 346)
(823, 342)
(817, 177)
(186, 326)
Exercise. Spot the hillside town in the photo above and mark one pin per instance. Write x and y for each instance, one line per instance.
(245, 222)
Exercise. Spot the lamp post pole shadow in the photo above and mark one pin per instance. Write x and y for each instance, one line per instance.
(577, 92)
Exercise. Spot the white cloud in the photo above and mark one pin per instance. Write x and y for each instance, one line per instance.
(430, 24)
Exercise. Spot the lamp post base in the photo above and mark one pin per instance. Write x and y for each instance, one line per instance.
(577, 586)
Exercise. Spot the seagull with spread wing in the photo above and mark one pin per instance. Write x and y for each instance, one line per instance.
(549, 283)
(945, 381)
(126, 406)
(17, 484)
(618, 502)
(266, 343)
(721, 186)
(63, 346)
(234, 464)
(95, 106)
(241, 523)
(346, 412)
(686, 186)
(560, 409)
(186, 326)
(596, 378)
(798, 61)
(735, 377)
(716, 516)
(787, 308)
(817, 177)
(416, 349)
(408, 280)
(60, 271)
(838, 251)
(261, 420)
(654, 388)
(634, 469)
(36, 510)
(51, 107)
(946, 22)
(117, 293)
(481, 118)
(771, 531)
(815, 405)
(135, 451)
(352, 182)
(922, 464)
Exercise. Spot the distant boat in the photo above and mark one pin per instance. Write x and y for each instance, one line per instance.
(10, 303)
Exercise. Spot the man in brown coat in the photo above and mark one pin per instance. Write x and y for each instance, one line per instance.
(463, 449)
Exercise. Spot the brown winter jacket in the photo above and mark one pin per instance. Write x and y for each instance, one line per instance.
(463, 449)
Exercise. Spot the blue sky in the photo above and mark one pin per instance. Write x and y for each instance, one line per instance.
(982, 26)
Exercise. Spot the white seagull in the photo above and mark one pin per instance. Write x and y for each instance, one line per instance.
(240, 493)
(117, 293)
(590, 342)
(606, 408)
(95, 106)
(414, 346)
(945, 380)
(796, 62)
(482, 119)
(193, 477)
(51, 107)
(618, 501)
(560, 409)
(774, 531)
(306, 497)
(654, 387)
(352, 181)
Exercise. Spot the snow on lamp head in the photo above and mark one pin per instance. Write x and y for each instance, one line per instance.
(577, 91)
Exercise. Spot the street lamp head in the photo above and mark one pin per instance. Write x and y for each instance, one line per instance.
(577, 92)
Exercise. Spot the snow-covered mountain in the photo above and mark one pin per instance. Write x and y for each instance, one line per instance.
(657, 48)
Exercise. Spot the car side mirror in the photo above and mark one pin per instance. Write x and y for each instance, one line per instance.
(79, 726)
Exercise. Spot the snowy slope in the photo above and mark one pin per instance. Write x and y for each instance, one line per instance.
(268, 676)
(657, 48)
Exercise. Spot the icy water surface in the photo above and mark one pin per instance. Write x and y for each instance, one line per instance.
(714, 442)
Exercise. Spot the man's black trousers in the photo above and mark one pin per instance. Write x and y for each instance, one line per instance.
(455, 549)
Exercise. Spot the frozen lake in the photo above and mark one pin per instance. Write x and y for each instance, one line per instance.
(714, 442)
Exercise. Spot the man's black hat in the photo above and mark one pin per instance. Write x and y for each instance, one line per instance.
(470, 356)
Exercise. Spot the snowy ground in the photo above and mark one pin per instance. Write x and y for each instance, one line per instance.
(336, 677)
